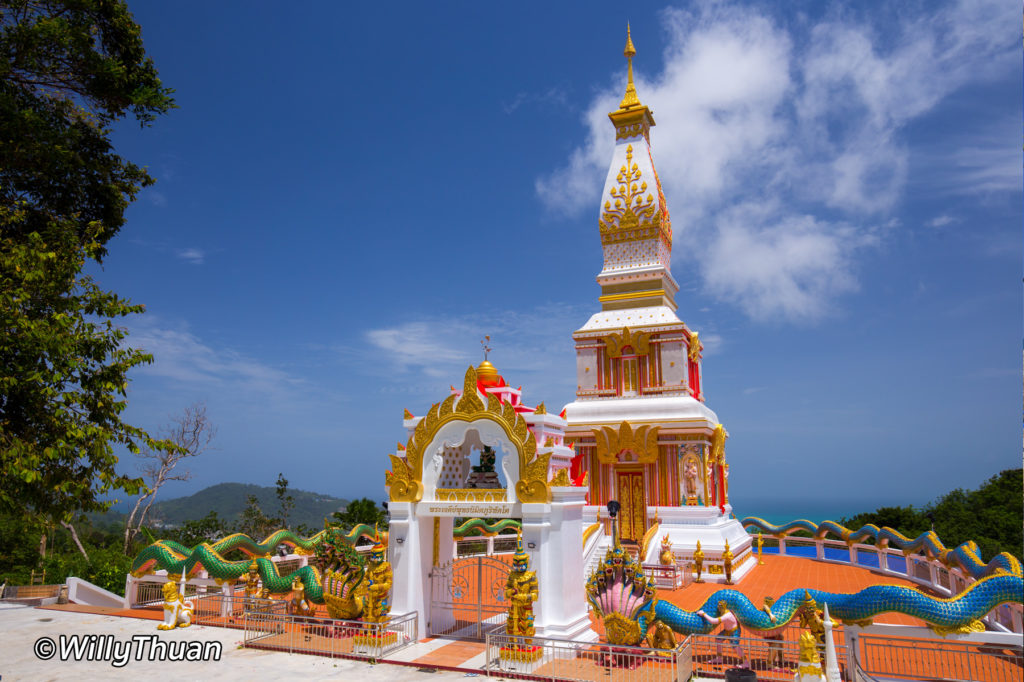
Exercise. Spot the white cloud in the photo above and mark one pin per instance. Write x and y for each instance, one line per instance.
(992, 167)
(941, 221)
(712, 343)
(181, 356)
(782, 146)
(530, 348)
(772, 263)
(192, 256)
(156, 197)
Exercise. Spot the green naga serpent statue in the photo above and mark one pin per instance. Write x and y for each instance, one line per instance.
(338, 578)
(332, 548)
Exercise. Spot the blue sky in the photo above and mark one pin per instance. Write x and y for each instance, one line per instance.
(350, 197)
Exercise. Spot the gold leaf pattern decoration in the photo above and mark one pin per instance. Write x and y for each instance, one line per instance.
(532, 485)
(695, 347)
(541, 409)
(402, 485)
(448, 406)
(521, 430)
(638, 341)
(470, 402)
(642, 442)
(718, 437)
(561, 478)
(631, 213)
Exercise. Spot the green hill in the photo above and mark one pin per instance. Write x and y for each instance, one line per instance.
(992, 516)
(229, 499)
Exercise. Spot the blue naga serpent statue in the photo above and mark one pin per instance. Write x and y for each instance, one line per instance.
(629, 606)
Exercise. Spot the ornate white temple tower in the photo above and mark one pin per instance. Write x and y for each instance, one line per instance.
(640, 426)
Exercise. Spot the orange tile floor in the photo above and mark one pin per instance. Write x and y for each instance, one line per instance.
(780, 574)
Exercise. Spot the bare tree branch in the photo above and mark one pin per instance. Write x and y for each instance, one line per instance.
(191, 432)
(74, 536)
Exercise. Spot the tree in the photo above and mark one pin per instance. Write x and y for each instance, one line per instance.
(191, 432)
(209, 528)
(254, 522)
(285, 501)
(363, 510)
(70, 70)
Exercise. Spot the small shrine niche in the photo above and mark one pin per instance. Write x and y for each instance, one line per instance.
(472, 465)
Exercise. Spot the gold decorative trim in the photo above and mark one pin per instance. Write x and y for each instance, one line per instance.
(718, 437)
(633, 216)
(472, 494)
(405, 480)
(643, 442)
(972, 627)
(437, 541)
(651, 532)
(591, 529)
(626, 131)
(695, 347)
(649, 293)
(560, 479)
(638, 341)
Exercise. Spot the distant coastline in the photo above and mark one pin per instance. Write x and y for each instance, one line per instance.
(778, 515)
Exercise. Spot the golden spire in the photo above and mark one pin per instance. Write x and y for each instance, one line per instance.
(630, 99)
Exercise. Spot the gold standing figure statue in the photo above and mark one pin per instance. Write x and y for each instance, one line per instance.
(378, 584)
(252, 580)
(810, 618)
(300, 605)
(521, 592)
(760, 546)
(727, 563)
(698, 562)
(667, 558)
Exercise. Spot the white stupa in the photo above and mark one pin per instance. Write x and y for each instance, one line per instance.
(640, 426)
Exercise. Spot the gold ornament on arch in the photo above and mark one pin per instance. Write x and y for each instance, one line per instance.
(638, 341)
(405, 479)
(642, 442)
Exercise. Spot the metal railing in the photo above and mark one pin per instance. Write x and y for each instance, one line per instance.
(484, 545)
(774, 660)
(668, 577)
(930, 573)
(30, 591)
(559, 659)
(894, 658)
(149, 593)
(279, 631)
(228, 610)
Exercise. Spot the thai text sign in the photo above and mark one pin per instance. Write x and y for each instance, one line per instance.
(481, 509)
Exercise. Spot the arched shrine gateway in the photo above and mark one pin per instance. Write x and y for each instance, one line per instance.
(639, 430)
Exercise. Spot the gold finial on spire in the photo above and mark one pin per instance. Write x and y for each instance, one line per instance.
(630, 99)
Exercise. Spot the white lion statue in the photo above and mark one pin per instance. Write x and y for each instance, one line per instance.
(177, 610)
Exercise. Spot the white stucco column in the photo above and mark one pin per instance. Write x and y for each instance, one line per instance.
(131, 590)
(409, 554)
(553, 537)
